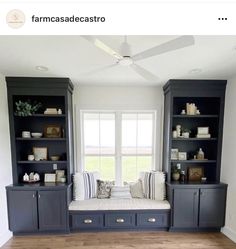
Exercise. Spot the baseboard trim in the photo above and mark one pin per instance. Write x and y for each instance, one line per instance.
(229, 233)
(5, 237)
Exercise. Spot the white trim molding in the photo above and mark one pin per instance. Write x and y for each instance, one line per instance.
(5, 237)
(118, 143)
(231, 234)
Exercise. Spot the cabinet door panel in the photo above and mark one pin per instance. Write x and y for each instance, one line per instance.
(52, 210)
(185, 208)
(212, 207)
(22, 211)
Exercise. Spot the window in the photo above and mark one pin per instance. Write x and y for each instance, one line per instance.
(118, 144)
(137, 144)
(99, 143)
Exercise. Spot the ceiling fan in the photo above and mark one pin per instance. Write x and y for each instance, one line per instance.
(125, 58)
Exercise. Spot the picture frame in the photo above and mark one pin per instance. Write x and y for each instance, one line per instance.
(203, 130)
(49, 177)
(174, 154)
(59, 175)
(52, 131)
(182, 156)
(195, 173)
(40, 153)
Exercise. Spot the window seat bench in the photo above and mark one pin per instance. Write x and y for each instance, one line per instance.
(118, 214)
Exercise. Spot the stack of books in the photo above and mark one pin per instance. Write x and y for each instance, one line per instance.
(203, 132)
(50, 111)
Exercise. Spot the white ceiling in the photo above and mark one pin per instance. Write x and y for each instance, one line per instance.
(75, 57)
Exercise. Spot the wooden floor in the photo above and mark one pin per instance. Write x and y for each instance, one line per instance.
(123, 240)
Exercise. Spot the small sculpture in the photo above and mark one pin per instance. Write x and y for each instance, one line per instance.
(26, 177)
(36, 177)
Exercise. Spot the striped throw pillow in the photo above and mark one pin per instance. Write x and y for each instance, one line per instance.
(85, 185)
(153, 185)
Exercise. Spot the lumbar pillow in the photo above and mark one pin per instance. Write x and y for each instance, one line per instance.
(85, 185)
(136, 189)
(153, 185)
(120, 192)
(104, 189)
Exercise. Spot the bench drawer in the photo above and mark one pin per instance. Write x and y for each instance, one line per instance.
(122, 220)
(152, 220)
(86, 221)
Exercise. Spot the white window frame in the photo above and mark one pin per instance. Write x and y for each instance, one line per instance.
(118, 138)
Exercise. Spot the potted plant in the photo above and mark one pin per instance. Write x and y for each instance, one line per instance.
(186, 133)
(176, 173)
(26, 108)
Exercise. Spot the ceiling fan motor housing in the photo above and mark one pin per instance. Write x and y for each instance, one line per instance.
(125, 49)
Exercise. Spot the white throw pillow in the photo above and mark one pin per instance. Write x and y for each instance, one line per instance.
(136, 189)
(85, 185)
(120, 192)
(154, 185)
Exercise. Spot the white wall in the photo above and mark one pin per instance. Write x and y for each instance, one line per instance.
(119, 98)
(5, 162)
(228, 170)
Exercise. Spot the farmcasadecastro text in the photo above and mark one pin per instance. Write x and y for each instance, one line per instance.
(68, 19)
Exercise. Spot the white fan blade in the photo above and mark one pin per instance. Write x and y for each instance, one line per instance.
(100, 69)
(101, 45)
(180, 42)
(144, 73)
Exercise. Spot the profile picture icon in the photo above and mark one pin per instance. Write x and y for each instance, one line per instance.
(15, 19)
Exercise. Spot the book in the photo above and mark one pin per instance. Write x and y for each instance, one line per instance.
(203, 136)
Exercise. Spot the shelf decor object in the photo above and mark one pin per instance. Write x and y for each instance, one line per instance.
(195, 173)
(53, 131)
(182, 156)
(26, 108)
(40, 207)
(40, 153)
(50, 177)
(196, 106)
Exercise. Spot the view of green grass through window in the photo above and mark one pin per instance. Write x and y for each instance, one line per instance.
(101, 148)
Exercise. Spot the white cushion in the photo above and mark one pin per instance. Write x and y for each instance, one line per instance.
(120, 192)
(136, 189)
(85, 185)
(118, 204)
(153, 185)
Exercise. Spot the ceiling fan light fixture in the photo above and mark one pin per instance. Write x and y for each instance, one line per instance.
(125, 61)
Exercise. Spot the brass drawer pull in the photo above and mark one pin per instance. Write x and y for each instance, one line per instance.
(120, 220)
(88, 221)
(152, 220)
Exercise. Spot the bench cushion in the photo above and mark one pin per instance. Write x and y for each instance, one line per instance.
(118, 204)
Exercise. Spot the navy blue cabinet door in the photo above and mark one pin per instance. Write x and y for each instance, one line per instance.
(52, 210)
(186, 208)
(212, 207)
(22, 211)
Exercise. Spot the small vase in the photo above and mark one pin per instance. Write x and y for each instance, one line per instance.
(175, 176)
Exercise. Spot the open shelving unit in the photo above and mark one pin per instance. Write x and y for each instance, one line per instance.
(51, 93)
(208, 95)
